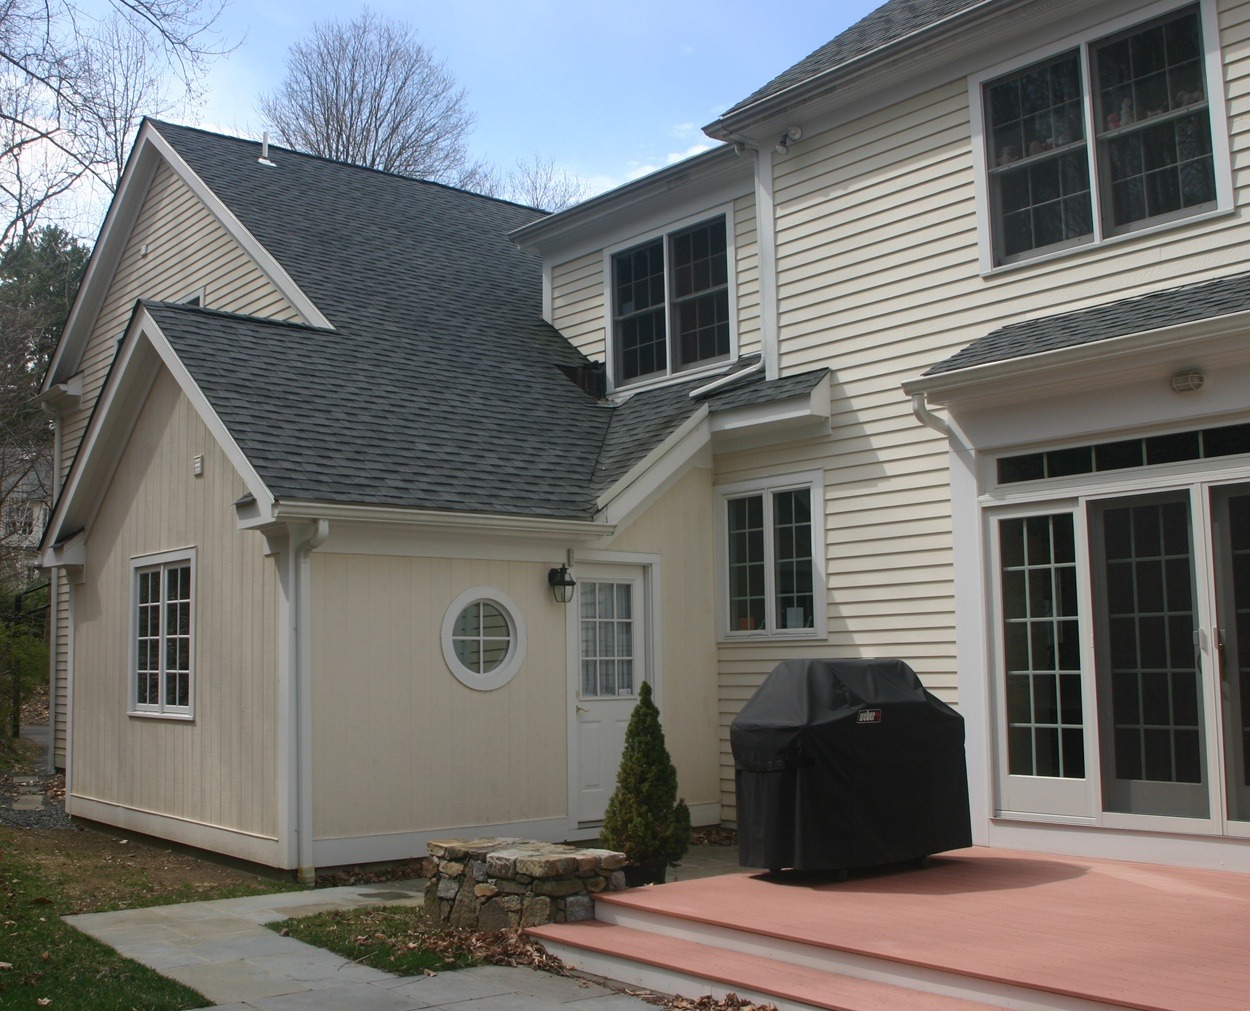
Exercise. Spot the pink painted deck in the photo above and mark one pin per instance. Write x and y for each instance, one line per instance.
(1132, 935)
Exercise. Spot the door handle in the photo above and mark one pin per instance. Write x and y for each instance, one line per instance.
(582, 709)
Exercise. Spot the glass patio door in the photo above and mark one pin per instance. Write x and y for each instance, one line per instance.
(1152, 728)
(1230, 508)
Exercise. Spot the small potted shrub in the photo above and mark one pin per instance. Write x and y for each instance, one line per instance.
(644, 819)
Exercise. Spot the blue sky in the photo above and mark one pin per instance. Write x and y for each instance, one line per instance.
(608, 90)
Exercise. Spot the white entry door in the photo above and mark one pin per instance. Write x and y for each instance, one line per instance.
(612, 664)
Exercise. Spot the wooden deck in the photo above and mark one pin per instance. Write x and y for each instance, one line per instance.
(993, 927)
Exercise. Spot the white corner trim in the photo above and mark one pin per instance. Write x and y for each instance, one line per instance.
(766, 260)
(619, 501)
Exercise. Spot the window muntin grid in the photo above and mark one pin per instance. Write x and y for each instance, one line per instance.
(607, 638)
(770, 559)
(163, 638)
(481, 637)
(1041, 646)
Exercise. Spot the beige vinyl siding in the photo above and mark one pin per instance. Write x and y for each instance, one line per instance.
(679, 528)
(747, 274)
(176, 247)
(579, 302)
(219, 769)
(879, 279)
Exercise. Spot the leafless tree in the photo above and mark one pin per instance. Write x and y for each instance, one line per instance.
(68, 100)
(367, 92)
(538, 182)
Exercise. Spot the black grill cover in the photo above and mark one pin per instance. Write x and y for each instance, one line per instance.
(847, 763)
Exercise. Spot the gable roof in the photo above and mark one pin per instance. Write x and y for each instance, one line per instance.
(1155, 311)
(890, 23)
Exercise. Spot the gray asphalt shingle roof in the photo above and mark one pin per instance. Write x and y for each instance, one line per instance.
(439, 386)
(1186, 304)
(889, 23)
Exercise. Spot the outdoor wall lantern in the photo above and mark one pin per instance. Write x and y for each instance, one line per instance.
(561, 583)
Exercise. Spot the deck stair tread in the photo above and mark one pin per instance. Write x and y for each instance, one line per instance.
(753, 973)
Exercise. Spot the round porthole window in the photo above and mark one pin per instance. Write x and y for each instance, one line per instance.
(483, 638)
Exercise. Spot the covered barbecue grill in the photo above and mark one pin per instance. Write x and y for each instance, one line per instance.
(847, 763)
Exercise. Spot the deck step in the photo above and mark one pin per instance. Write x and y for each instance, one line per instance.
(667, 963)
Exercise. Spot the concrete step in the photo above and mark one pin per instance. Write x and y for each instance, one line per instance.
(691, 968)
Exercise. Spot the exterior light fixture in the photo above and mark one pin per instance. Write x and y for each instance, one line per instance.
(1188, 380)
(793, 133)
(561, 583)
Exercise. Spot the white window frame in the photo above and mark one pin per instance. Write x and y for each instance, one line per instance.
(1084, 42)
(146, 563)
(814, 482)
(507, 670)
(724, 211)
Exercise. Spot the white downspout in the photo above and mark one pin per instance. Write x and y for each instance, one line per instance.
(920, 408)
(54, 603)
(301, 669)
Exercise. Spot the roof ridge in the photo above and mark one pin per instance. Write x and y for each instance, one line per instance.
(159, 123)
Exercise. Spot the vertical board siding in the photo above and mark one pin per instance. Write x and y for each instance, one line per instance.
(175, 248)
(879, 279)
(399, 744)
(220, 768)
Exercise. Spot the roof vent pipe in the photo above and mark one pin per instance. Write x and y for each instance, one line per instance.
(264, 150)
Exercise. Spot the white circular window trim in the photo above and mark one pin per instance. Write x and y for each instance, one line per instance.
(507, 670)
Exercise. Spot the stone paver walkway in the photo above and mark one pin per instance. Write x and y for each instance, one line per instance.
(222, 949)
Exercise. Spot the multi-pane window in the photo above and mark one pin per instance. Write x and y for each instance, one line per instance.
(1041, 647)
(771, 562)
(481, 637)
(1150, 159)
(164, 630)
(670, 302)
(607, 629)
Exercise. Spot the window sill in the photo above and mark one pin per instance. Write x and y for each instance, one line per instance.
(799, 635)
(142, 715)
(627, 390)
(1107, 241)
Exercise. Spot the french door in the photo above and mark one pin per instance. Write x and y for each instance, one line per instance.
(1171, 580)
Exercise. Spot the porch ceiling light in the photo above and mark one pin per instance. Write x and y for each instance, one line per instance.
(1188, 380)
(561, 583)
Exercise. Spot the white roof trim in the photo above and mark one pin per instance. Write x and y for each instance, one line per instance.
(144, 349)
(976, 378)
(149, 150)
(653, 472)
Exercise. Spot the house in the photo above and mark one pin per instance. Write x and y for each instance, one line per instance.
(939, 356)
(1015, 233)
(325, 470)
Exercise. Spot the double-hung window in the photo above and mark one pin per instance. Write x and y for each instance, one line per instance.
(772, 547)
(162, 669)
(1107, 137)
(670, 303)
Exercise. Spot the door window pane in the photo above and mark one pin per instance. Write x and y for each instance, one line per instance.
(1041, 655)
(607, 637)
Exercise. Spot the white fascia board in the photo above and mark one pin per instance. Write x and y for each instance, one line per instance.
(641, 482)
(561, 530)
(144, 350)
(924, 40)
(585, 224)
(72, 552)
(149, 151)
(812, 405)
(1051, 370)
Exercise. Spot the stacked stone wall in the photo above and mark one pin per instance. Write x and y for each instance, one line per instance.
(492, 884)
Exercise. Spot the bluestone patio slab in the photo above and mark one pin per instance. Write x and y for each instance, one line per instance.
(357, 998)
(223, 982)
(515, 1001)
(448, 987)
(321, 967)
(540, 984)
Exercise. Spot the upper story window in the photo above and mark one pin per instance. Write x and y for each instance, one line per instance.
(670, 303)
(1102, 139)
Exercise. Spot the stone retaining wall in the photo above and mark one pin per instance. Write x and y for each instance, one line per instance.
(491, 884)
